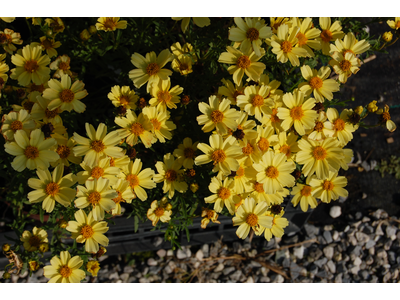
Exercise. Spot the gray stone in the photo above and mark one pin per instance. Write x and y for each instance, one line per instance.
(277, 278)
(364, 274)
(381, 253)
(144, 280)
(321, 262)
(337, 256)
(341, 267)
(298, 252)
(335, 211)
(237, 247)
(391, 232)
(392, 257)
(265, 279)
(335, 236)
(354, 269)
(328, 236)
(347, 228)
(322, 274)
(328, 251)
(387, 244)
(161, 253)
(199, 255)
(219, 268)
(362, 237)
(128, 269)
(368, 229)
(157, 241)
(358, 215)
(286, 262)
(315, 253)
(205, 248)
(311, 230)
(255, 264)
(370, 244)
(331, 266)
(152, 262)
(295, 271)
(387, 277)
(355, 250)
(338, 278)
(379, 214)
(365, 219)
(357, 261)
(124, 277)
(114, 276)
(228, 270)
(236, 275)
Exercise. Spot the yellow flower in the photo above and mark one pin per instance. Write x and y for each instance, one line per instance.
(8, 19)
(93, 267)
(14, 121)
(159, 211)
(341, 129)
(230, 90)
(33, 265)
(50, 188)
(385, 118)
(307, 35)
(208, 215)
(394, 24)
(32, 153)
(149, 69)
(8, 38)
(245, 129)
(223, 154)
(56, 25)
(223, 194)
(86, 230)
(387, 36)
(250, 33)
(40, 111)
(287, 144)
(259, 194)
(159, 120)
(199, 21)
(98, 145)
(138, 178)
(243, 63)
(255, 100)
(64, 95)
(31, 66)
(372, 106)
(53, 129)
(283, 45)
(64, 269)
(170, 173)
(102, 170)
(329, 188)
(277, 229)
(61, 66)
(49, 45)
(319, 157)
(251, 152)
(123, 96)
(33, 240)
(217, 115)
(330, 33)
(186, 152)
(299, 112)
(164, 96)
(251, 215)
(98, 194)
(277, 22)
(350, 44)
(344, 66)
(110, 24)
(182, 64)
(302, 193)
(322, 128)
(66, 153)
(125, 194)
(318, 83)
(273, 171)
(186, 50)
(266, 138)
(242, 177)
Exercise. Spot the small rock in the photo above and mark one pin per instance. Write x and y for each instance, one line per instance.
(161, 253)
(170, 252)
(328, 227)
(311, 230)
(181, 254)
(277, 278)
(365, 274)
(322, 274)
(347, 228)
(355, 250)
(357, 261)
(392, 257)
(331, 266)
(328, 251)
(298, 252)
(144, 280)
(124, 277)
(157, 241)
(370, 244)
(321, 262)
(354, 270)
(387, 244)
(315, 253)
(237, 247)
(387, 277)
(236, 275)
(328, 236)
(335, 236)
(381, 253)
(295, 271)
(341, 267)
(114, 276)
(335, 211)
(358, 215)
(362, 237)
(228, 270)
(338, 278)
(199, 255)
(152, 262)
(265, 279)
(391, 232)
(219, 268)
(205, 248)
(250, 280)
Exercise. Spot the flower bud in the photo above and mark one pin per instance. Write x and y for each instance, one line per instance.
(43, 247)
(62, 223)
(194, 187)
(6, 275)
(372, 106)
(359, 110)
(92, 29)
(84, 35)
(33, 265)
(6, 247)
(387, 36)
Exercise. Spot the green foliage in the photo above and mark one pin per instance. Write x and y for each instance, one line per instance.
(389, 166)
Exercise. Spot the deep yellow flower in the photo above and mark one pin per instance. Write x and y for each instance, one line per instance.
(159, 211)
(93, 267)
(163, 96)
(64, 269)
(386, 119)
(345, 65)
(394, 24)
(330, 33)
(161, 126)
(110, 24)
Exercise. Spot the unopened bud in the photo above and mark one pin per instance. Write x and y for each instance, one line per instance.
(359, 110)
(387, 36)
(6, 247)
(33, 265)
(194, 187)
(62, 223)
(84, 35)
(6, 275)
(372, 106)
(92, 29)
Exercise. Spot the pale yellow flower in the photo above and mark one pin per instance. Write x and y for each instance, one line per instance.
(245, 129)
(40, 111)
(199, 21)
(266, 138)
(330, 188)
(33, 240)
(182, 64)
(394, 24)
(350, 44)
(271, 119)
(345, 65)
(224, 194)
(110, 24)
(186, 152)
(163, 96)
(231, 91)
(123, 96)
(287, 144)
(330, 33)
(255, 100)
(102, 170)
(208, 215)
(341, 129)
(243, 176)
(302, 193)
(66, 153)
(14, 121)
(307, 35)
(61, 66)
(49, 45)
(161, 126)
(322, 128)
(278, 225)
(125, 194)
(159, 211)
(64, 269)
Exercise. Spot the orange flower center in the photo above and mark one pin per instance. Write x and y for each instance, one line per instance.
(248, 149)
(397, 26)
(47, 44)
(345, 65)
(285, 149)
(124, 100)
(67, 96)
(87, 231)
(65, 271)
(240, 172)
(137, 129)
(259, 187)
(319, 153)
(306, 191)
(252, 219)
(109, 24)
(34, 241)
(302, 39)
(171, 175)
(52, 189)
(156, 124)
(37, 88)
(218, 156)
(152, 69)
(133, 180)
(5, 39)
(27, 105)
(252, 34)
(243, 62)
(97, 172)
(274, 117)
(94, 198)
(159, 211)
(210, 214)
(386, 116)
(50, 114)
(118, 199)
(164, 96)
(315, 82)
(236, 93)
(263, 144)
(318, 126)
(63, 151)
(97, 146)
(326, 36)
(217, 116)
(347, 50)
(224, 193)
(31, 66)
(286, 47)
(297, 113)
(272, 172)
(188, 152)
(257, 101)
(183, 66)
(16, 125)
(328, 185)
(31, 152)
(63, 66)
(339, 125)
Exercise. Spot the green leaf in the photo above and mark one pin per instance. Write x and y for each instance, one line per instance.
(41, 215)
(136, 223)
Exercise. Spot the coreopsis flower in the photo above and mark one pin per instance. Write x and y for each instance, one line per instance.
(61, 66)
(223, 194)
(53, 129)
(208, 215)
(66, 153)
(251, 215)
(98, 145)
(159, 211)
(31, 66)
(14, 121)
(330, 33)
(302, 193)
(135, 127)
(139, 179)
(259, 194)
(125, 194)
(251, 152)
(161, 127)
(319, 156)
(3, 72)
(278, 225)
(33, 239)
(186, 50)
(31, 152)
(298, 112)
(40, 111)
(170, 172)
(186, 152)
(8, 19)
(341, 129)
(182, 64)
(350, 44)
(33, 265)
(102, 170)
(123, 96)
(322, 128)
(99, 253)
(283, 45)
(231, 91)
(87, 230)
(245, 129)
(394, 24)
(371, 107)
(242, 63)
(223, 154)
(65, 96)
(52, 188)
(199, 21)
(318, 83)
(37, 88)
(64, 269)
(110, 24)
(98, 194)
(276, 22)
(49, 45)
(386, 119)
(8, 38)
(149, 69)
(163, 96)
(274, 172)
(56, 25)
(330, 188)
(122, 161)
(271, 119)
(287, 144)
(93, 267)
(217, 115)
(273, 85)
(255, 100)
(306, 37)
(243, 176)
(250, 33)
(266, 138)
